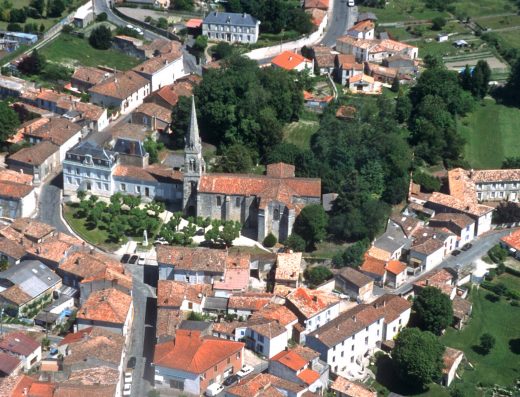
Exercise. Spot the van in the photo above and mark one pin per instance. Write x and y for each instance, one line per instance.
(214, 389)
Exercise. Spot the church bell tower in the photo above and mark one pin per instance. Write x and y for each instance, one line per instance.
(194, 165)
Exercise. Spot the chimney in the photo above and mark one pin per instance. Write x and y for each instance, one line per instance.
(315, 298)
(354, 318)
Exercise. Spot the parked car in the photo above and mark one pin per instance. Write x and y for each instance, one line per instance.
(230, 380)
(466, 247)
(351, 3)
(127, 389)
(245, 370)
(160, 241)
(125, 258)
(142, 260)
(131, 363)
(133, 259)
(214, 389)
(128, 376)
(455, 253)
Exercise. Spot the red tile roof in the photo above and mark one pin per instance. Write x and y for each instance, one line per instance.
(321, 4)
(373, 265)
(308, 376)
(194, 259)
(396, 267)
(8, 363)
(173, 293)
(512, 240)
(120, 86)
(391, 306)
(289, 60)
(351, 389)
(194, 23)
(75, 337)
(290, 359)
(15, 177)
(14, 191)
(192, 353)
(109, 305)
(249, 301)
(275, 311)
(311, 302)
(35, 155)
(18, 343)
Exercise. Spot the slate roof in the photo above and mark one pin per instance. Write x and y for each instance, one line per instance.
(32, 277)
(156, 173)
(97, 152)
(230, 18)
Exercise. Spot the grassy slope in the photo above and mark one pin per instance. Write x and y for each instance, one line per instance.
(299, 133)
(499, 319)
(72, 50)
(491, 134)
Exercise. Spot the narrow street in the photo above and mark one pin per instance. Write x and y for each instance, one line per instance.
(49, 206)
(342, 18)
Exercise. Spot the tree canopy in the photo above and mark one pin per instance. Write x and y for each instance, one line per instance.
(101, 38)
(311, 225)
(32, 64)
(9, 121)
(317, 275)
(433, 310)
(417, 357)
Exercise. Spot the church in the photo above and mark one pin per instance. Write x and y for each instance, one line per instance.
(262, 203)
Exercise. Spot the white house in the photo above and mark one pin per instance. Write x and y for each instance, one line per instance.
(180, 295)
(163, 69)
(289, 60)
(268, 338)
(17, 195)
(231, 27)
(122, 92)
(362, 30)
(460, 224)
(22, 346)
(429, 247)
(344, 342)
(313, 308)
(396, 311)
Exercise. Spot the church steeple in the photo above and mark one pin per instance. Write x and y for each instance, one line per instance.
(193, 138)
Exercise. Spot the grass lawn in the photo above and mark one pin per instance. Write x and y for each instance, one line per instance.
(432, 47)
(403, 10)
(499, 319)
(72, 51)
(491, 134)
(512, 37)
(476, 8)
(95, 237)
(499, 22)
(299, 132)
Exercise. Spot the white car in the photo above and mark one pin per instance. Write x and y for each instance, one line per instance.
(246, 370)
(141, 260)
(127, 390)
(128, 376)
(129, 26)
(214, 389)
(351, 3)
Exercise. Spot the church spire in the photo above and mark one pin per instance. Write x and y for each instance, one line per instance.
(193, 133)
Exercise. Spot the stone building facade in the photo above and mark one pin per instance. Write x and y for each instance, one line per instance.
(231, 27)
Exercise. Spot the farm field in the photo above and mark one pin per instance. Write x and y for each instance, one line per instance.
(499, 22)
(72, 51)
(491, 135)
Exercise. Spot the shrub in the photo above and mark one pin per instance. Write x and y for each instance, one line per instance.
(497, 254)
(269, 240)
(438, 23)
(295, 242)
(101, 38)
(429, 183)
(102, 17)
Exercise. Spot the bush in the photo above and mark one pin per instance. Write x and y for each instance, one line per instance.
(438, 23)
(269, 241)
(317, 275)
(429, 183)
(295, 242)
(101, 38)
(498, 254)
(487, 342)
(68, 29)
(102, 17)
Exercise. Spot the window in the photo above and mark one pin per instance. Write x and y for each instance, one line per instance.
(276, 215)
(69, 180)
(138, 189)
(342, 354)
(77, 181)
(123, 187)
(352, 348)
(238, 354)
(260, 338)
(177, 384)
(366, 340)
(215, 368)
(105, 185)
(334, 359)
(352, 359)
(219, 201)
(229, 360)
(237, 202)
(77, 171)
(190, 305)
(98, 185)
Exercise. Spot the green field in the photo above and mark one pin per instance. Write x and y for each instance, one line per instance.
(500, 319)
(512, 37)
(299, 132)
(73, 51)
(499, 22)
(491, 134)
(476, 8)
(403, 10)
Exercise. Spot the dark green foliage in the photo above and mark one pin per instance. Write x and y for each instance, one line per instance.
(55, 72)
(507, 212)
(317, 275)
(276, 15)
(295, 242)
(17, 15)
(223, 233)
(439, 5)
(55, 8)
(311, 225)
(476, 82)
(183, 5)
(235, 159)
(269, 241)
(38, 5)
(201, 42)
(162, 23)
(498, 254)
(428, 182)
(14, 27)
(101, 17)
(101, 38)
(395, 84)
(417, 357)
(9, 122)
(433, 310)
(487, 342)
(438, 23)
(153, 148)
(30, 28)
(403, 108)
(511, 90)
(180, 121)
(285, 153)
(503, 46)
(511, 163)
(126, 31)
(353, 255)
(222, 50)
(245, 104)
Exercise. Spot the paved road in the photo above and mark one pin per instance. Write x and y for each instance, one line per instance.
(190, 62)
(49, 205)
(342, 18)
(481, 246)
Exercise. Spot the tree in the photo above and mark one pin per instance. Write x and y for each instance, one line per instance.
(32, 64)
(162, 23)
(317, 275)
(395, 84)
(438, 23)
(222, 50)
(201, 42)
(513, 84)
(487, 342)
(311, 225)
(9, 121)
(417, 357)
(4, 264)
(55, 8)
(295, 242)
(507, 212)
(14, 27)
(403, 108)
(465, 79)
(300, 21)
(180, 121)
(480, 79)
(184, 5)
(269, 241)
(433, 310)
(230, 231)
(511, 163)
(153, 148)
(354, 254)
(38, 5)
(101, 38)
(428, 182)
(17, 15)
(132, 201)
(101, 17)
(235, 159)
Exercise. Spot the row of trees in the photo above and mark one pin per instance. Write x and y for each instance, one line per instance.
(37, 9)
(36, 65)
(276, 15)
(122, 216)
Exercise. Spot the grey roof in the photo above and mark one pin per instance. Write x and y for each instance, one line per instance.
(214, 303)
(355, 277)
(393, 239)
(91, 148)
(231, 18)
(32, 276)
(193, 133)
(384, 35)
(366, 15)
(195, 325)
(129, 146)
